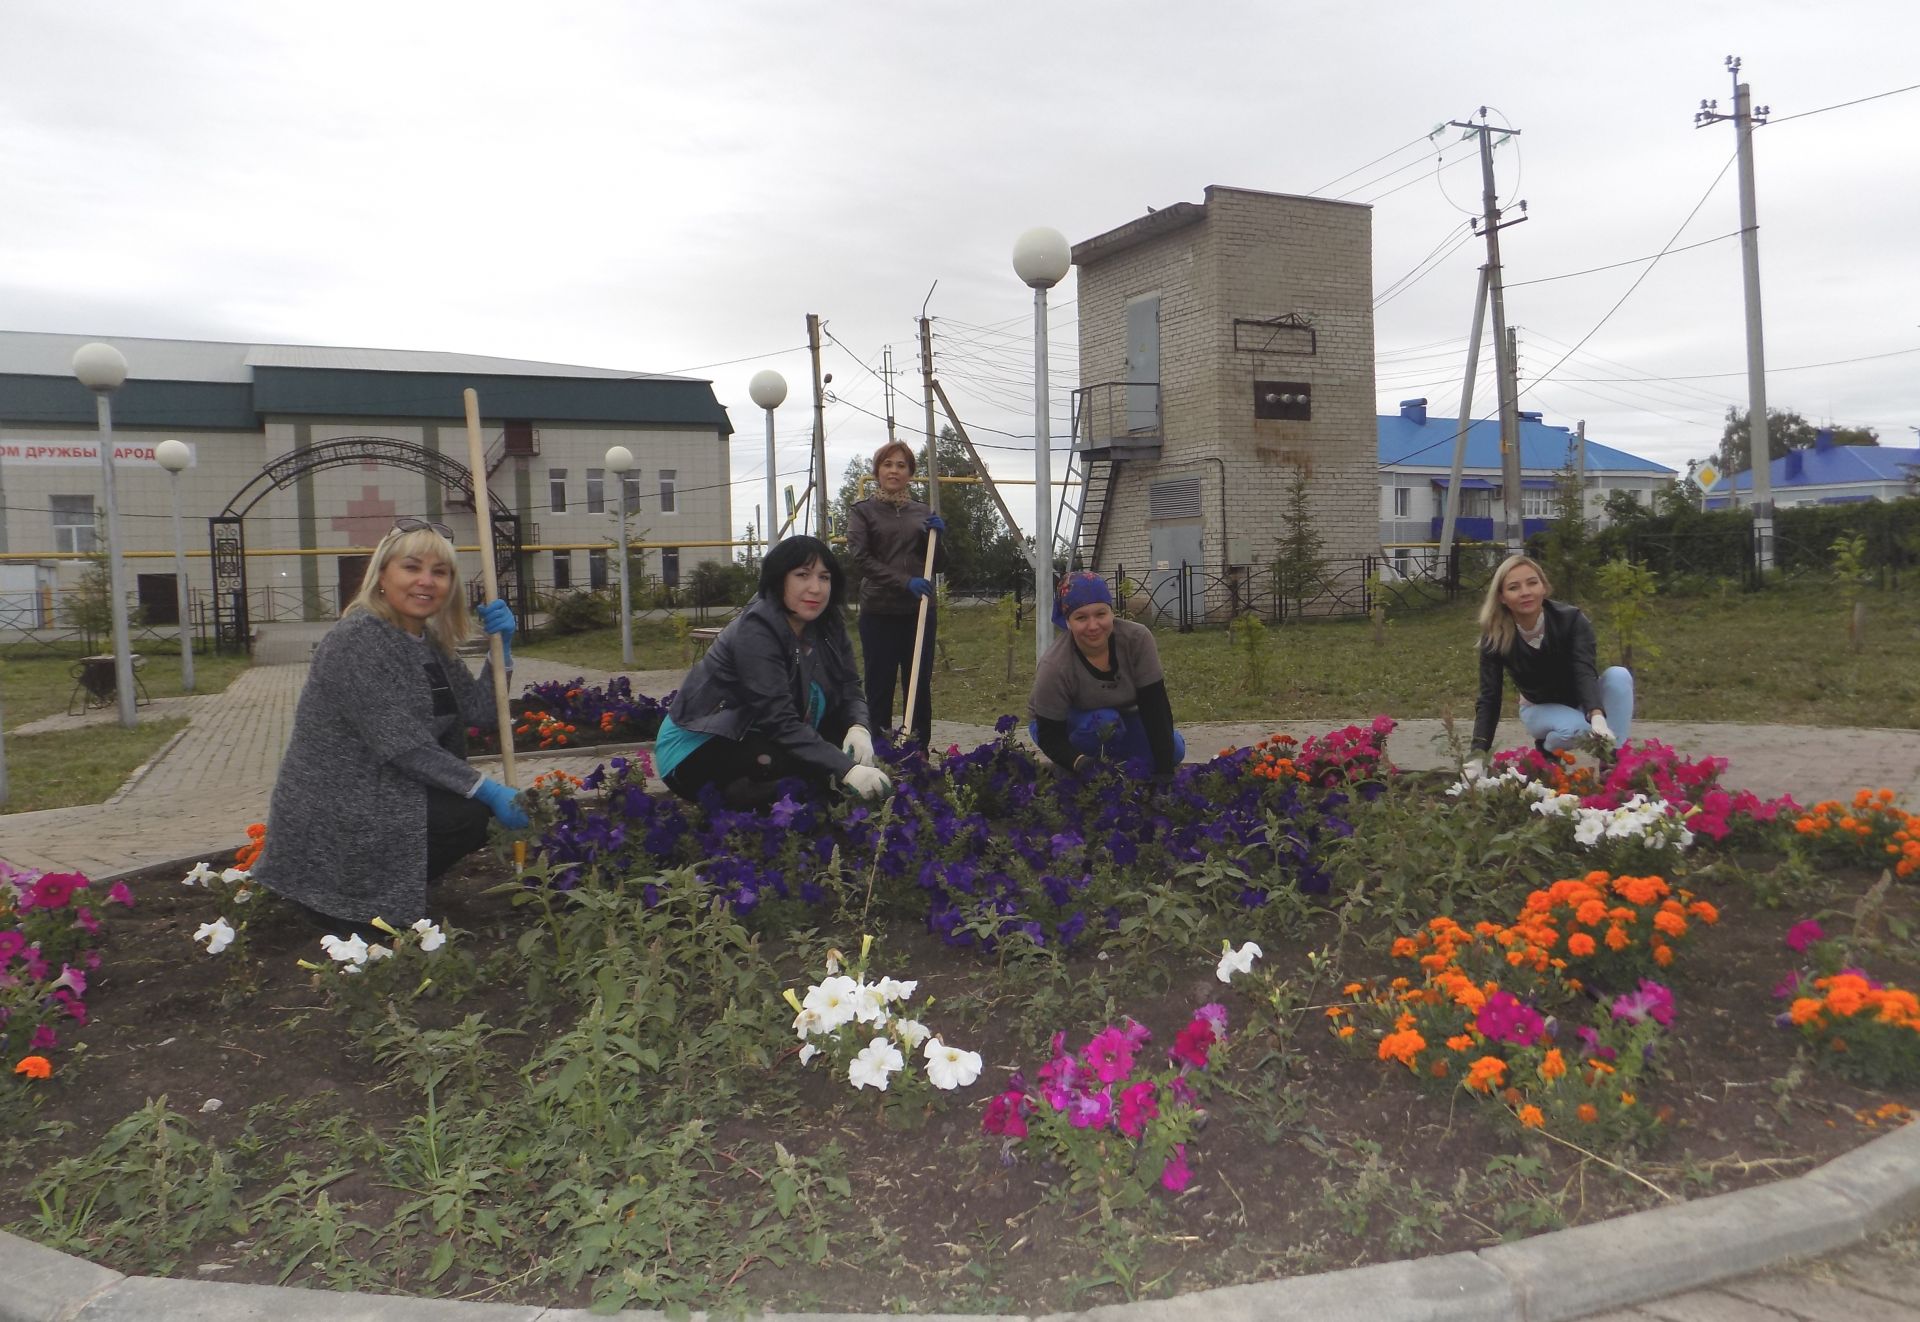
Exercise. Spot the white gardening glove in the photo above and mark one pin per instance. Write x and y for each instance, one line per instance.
(1475, 769)
(858, 745)
(1601, 729)
(867, 782)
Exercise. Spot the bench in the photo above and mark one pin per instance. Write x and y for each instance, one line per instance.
(703, 638)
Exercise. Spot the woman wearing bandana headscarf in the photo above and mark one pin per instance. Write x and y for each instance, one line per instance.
(1099, 694)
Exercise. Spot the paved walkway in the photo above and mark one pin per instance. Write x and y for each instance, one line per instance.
(195, 799)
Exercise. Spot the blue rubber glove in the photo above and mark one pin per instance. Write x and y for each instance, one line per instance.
(502, 802)
(935, 523)
(919, 587)
(496, 617)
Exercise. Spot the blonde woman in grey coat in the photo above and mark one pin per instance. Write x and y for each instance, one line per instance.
(375, 798)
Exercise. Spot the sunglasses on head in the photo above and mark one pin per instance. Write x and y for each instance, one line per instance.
(418, 525)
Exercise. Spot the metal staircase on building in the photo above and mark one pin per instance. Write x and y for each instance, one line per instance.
(1112, 422)
(1093, 479)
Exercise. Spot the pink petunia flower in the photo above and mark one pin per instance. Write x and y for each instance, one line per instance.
(1137, 1106)
(1176, 1174)
(1803, 934)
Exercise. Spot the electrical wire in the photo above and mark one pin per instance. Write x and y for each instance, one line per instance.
(1424, 137)
(1842, 105)
(1665, 252)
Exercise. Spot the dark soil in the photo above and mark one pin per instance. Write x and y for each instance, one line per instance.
(1315, 1157)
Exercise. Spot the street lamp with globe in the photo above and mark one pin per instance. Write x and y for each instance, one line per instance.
(102, 369)
(769, 390)
(174, 456)
(620, 463)
(1041, 258)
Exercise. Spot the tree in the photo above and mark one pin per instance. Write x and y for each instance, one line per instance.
(1299, 561)
(1568, 539)
(982, 552)
(1786, 430)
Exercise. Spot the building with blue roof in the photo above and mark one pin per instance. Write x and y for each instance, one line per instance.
(1416, 463)
(1828, 474)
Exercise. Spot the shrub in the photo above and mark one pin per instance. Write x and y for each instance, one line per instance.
(579, 611)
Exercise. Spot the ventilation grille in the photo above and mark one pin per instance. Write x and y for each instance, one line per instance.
(1174, 500)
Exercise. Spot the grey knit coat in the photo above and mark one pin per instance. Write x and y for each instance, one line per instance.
(347, 826)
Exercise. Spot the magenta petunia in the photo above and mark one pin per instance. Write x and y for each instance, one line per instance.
(1176, 1174)
(120, 893)
(1109, 1055)
(1192, 1044)
(1803, 934)
(1137, 1106)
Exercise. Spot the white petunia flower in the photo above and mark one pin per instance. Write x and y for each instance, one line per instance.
(198, 875)
(352, 951)
(892, 989)
(807, 1023)
(378, 953)
(808, 1052)
(875, 1064)
(235, 876)
(910, 1031)
(833, 1000)
(1589, 828)
(218, 935)
(870, 1004)
(431, 937)
(1235, 961)
(950, 1067)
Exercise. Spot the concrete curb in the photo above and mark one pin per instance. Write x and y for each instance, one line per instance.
(1566, 1274)
(140, 772)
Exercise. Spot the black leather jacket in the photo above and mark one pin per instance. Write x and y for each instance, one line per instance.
(1560, 670)
(755, 676)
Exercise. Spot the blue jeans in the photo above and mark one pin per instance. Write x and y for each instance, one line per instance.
(1561, 726)
(1106, 734)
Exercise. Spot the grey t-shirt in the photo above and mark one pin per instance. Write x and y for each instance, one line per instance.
(1065, 683)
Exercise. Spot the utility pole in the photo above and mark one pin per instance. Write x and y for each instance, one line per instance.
(1580, 469)
(886, 375)
(1452, 513)
(819, 430)
(926, 390)
(1759, 446)
(1489, 229)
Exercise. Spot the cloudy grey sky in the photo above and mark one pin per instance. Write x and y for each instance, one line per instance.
(672, 186)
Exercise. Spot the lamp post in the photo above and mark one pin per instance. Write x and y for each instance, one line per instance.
(101, 368)
(1041, 258)
(769, 391)
(174, 457)
(620, 463)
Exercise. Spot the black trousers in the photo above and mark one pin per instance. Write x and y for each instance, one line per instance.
(456, 827)
(745, 771)
(886, 645)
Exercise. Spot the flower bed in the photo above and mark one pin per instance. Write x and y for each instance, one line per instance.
(1009, 1040)
(576, 714)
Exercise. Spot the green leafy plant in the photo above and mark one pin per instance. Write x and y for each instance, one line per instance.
(1627, 591)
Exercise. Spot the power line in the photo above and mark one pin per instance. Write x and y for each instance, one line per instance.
(1424, 137)
(1665, 252)
(1710, 376)
(1844, 104)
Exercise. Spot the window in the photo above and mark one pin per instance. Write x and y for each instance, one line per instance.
(596, 491)
(630, 492)
(1402, 501)
(73, 526)
(562, 570)
(557, 490)
(596, 570)
(1402, 562)
(1537, 503)
(667, 493)
(670, 567)
(1476, 503)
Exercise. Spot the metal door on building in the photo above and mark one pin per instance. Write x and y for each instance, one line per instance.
(1143, 365)
(352, 570)
(1174, 545)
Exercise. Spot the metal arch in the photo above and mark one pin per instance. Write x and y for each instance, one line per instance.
(281, 473)
(226, 530)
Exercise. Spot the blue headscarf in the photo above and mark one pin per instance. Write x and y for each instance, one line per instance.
(1080, 588)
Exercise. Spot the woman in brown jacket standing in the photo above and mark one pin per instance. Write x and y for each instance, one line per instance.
(887, 540)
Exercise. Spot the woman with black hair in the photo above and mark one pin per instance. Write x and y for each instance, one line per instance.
(777, 695)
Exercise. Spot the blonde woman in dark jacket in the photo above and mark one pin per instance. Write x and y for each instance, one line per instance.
(887, 541)
(1548, 648)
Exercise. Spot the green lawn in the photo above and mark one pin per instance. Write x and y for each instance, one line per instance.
(1780, 656)
(86, 765)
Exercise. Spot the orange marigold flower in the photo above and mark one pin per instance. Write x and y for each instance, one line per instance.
(1460, 1042)
(1591, 913)
(1580, 945)
(1627, 1099)
(1399, 984)
(1588, 1113)
(1402, 1046)
(1670, 922)
(34, 1067)
(1704, 911)
(1531, 1118)
(1663, 955)
(1485, 1073)
(1352, 989)
(1617, 938)
(1346, 1031)
(1805, 1010)
(1553, 1065)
